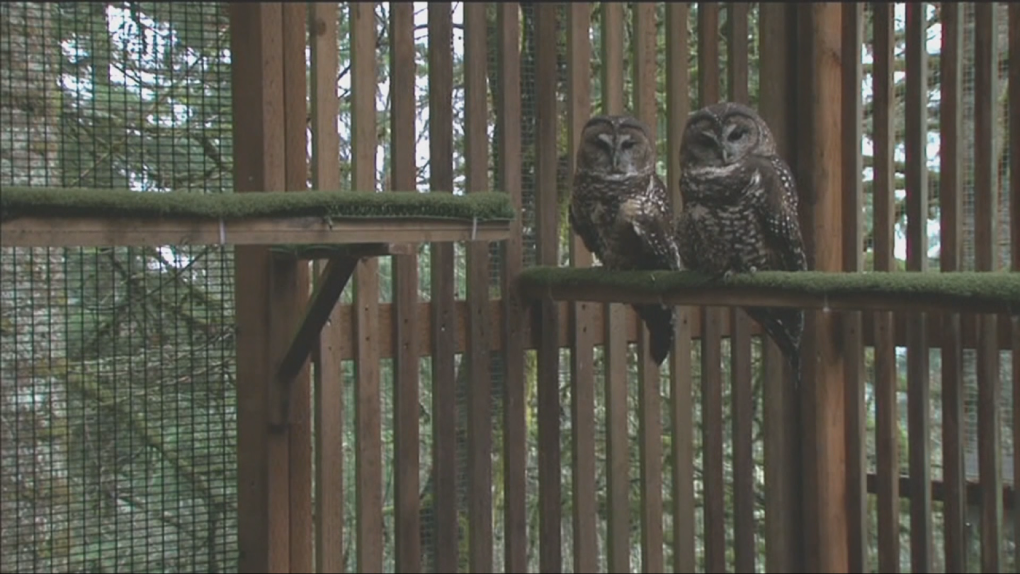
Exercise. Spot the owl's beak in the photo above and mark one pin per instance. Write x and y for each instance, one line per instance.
(727, 156)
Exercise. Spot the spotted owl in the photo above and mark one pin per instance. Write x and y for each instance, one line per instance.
(740, 209)
(620, 209)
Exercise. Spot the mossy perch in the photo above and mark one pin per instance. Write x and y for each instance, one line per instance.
(92, 217)
(967, 292)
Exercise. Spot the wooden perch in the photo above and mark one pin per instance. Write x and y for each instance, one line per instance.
(154, 231)
(356, 250)
(327, 292)
(971, 292)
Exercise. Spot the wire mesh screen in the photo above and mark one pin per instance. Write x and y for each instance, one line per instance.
(117, 398)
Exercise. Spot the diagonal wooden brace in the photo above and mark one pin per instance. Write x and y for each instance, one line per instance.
(327, 291)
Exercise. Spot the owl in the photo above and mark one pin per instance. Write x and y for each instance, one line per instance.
(740, 209)
(620, 210)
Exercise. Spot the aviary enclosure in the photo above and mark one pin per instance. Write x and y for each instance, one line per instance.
(180, 393)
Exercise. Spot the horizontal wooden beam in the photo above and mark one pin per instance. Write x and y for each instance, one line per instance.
(137, 231)
(997, 293)
(974, 491)
(327, 291)
(355, 250)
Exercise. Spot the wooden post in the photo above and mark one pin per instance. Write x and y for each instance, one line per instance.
(822, 393)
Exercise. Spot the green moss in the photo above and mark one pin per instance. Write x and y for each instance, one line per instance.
(63, 202)
(1001, 286)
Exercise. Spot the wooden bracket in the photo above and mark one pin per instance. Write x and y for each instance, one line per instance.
(327, 291)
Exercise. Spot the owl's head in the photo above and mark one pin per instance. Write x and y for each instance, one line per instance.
(724, 134)
(616, 146)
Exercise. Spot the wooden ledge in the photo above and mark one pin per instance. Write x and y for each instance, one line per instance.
(151, 231)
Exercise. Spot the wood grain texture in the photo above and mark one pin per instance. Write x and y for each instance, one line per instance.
(511, 311)
(582, 360)
(681, 407)
(1014, 202)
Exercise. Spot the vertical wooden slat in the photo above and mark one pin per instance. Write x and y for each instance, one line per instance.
(950, 252)
(986, 68)
(582, 391)
(257, 67)
(550, 556)
(886, 404)
(918, 393)
(824, 407)
(740, 334)
(328, 383)
(781, 400)
(617, 448)
(712, 319)
(508, 115)
(368, 449)
(649, 403)
(853, 262)
(680, 393)
(479, 416)
(407, 542)
(295, 16)
(444, 393)
(1014, 203)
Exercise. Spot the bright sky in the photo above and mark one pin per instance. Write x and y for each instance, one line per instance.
(123, 29)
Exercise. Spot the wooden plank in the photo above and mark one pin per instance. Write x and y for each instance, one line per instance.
(986, 239)
(138, 231)
(1014, 202)
(680, 366)
(317, 311)
(263, 490)
(853, 261)
(479, 442)
(582, 360)
(368, 433)
(938, 491)
(781, 400)
(713, 317)
(918, 384)
(550, 518)
(508, 118)
(649, 401)
(328, 382)
(405, 319)
(951, 168)
(823, 400)
(444, 392)
(741, 394)
(352, 250)
(615, 342)
(886, 405)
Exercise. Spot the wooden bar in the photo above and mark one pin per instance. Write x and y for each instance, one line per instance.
(649, 401)
(986, 238)
(259, 164)
(139, 231)
(328, 382)
(853, 261)
(1014, 202)
(712, 319)
(367, 415)
(742, 413)
(918, 383)
(823, 397)
(681, 365)
(443, 316)
(405, 319)
(582, 360)
(479, 415)
(618, 529)
(783, 518)
(508, 160)
(886, 405)
(951, 168)
(550, 518)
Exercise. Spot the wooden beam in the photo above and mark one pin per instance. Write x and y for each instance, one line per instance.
(327, 292)
(98, 231)
(352, 250)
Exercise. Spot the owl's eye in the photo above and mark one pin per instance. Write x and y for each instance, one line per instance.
(706, 140)
(628, 144)
(736, 134)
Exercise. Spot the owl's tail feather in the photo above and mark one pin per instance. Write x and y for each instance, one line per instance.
(659, 320)
(784, 326)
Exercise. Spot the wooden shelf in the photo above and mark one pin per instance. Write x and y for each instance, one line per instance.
(150, 231)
